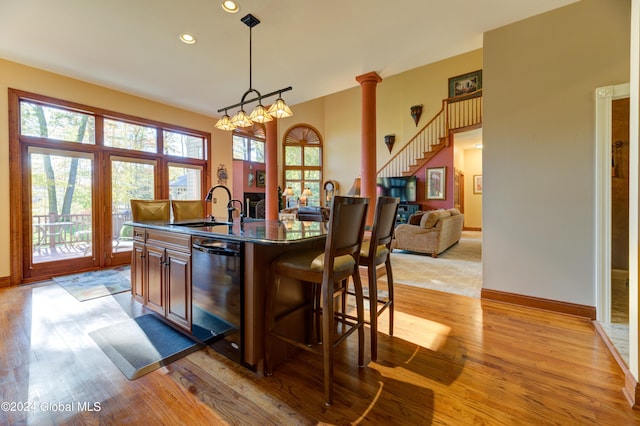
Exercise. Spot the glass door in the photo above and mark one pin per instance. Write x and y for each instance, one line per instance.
(61, 209)
(131, 179)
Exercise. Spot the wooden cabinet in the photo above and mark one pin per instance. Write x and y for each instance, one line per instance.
(178, 288)
(154, 281)
(137, 266)
(161, 274)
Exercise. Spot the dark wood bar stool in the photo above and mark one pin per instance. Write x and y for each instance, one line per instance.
(373, 253)
(328, 272)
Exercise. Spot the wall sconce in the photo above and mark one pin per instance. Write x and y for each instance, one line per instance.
(389, 140)
(416, 112)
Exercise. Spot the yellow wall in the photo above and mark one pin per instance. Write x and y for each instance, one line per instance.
(338, 116)
(540, 77)
(472, 202)
(16, 76)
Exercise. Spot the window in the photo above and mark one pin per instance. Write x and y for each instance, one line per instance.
(56, 123)
(118, 134)
(77, 167)
(185, 182)
(248, 149)
(303, 162)
(183, 145)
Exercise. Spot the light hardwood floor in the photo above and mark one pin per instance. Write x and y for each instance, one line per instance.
(454, 360)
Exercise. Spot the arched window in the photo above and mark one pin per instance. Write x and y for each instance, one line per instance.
(303, 163)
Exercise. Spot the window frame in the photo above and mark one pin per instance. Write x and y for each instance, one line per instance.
(18, 171)
(303, 135)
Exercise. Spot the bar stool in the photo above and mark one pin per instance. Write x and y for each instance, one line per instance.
(187, 209)
(373, 253)
(150, 210)
(326, 272)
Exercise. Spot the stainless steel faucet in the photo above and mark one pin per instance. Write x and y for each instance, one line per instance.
(209, 198)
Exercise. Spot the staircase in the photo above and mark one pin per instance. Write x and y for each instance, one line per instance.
(457, 114)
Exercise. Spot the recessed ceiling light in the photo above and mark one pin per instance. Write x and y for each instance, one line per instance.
(187, 38)
(230, 6)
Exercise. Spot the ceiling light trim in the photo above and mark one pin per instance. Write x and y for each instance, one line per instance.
(230, 6)
(187, 38)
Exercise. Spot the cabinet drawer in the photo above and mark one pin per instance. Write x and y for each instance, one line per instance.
(170, 240)
(139, 234)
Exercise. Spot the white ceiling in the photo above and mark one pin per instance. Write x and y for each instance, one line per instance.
(318, 47)
(468, 140)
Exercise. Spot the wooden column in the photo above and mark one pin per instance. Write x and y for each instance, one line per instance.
(271, 162)
(368, 162)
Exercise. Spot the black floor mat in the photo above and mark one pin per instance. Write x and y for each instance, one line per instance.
(143, 344)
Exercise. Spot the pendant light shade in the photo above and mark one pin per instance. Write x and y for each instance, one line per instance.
(260, 115)
(225, 123)
(280, 109)
(241, 119)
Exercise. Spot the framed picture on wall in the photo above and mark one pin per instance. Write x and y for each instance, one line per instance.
(465, 84)
(477, 184)
(260, 178)
(436, 180)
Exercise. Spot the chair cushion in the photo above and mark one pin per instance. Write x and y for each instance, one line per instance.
(380, 256)
(313, 260)
(430, 219)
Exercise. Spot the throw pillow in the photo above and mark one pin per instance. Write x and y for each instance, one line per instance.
(454, 212)
(415, 218)
(430, 219)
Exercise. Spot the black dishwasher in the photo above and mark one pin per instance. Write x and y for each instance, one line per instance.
(218, 295)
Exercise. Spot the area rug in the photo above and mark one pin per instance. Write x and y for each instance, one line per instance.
(458, 270)
(140, 345)
(94, 284)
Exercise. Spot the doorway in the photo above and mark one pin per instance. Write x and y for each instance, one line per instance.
(618, 327)
(612, 214)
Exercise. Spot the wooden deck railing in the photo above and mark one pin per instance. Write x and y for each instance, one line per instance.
(55, 230)
(462, 112)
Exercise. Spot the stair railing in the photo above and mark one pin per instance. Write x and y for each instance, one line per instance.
(461, 112)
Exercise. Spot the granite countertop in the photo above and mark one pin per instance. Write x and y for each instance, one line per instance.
(252, 230)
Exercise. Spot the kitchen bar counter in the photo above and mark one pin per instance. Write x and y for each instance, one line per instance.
(262, 242)
(252, 230)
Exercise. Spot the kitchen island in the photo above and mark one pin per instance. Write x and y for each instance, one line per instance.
(209, 278)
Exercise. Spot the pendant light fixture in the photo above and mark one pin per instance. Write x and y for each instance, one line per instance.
(260, 114)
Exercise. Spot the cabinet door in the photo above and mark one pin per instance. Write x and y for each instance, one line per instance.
(178, 273)
(154, 280)
(137, 271)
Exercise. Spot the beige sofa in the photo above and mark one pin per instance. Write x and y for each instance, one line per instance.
(429, 232)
